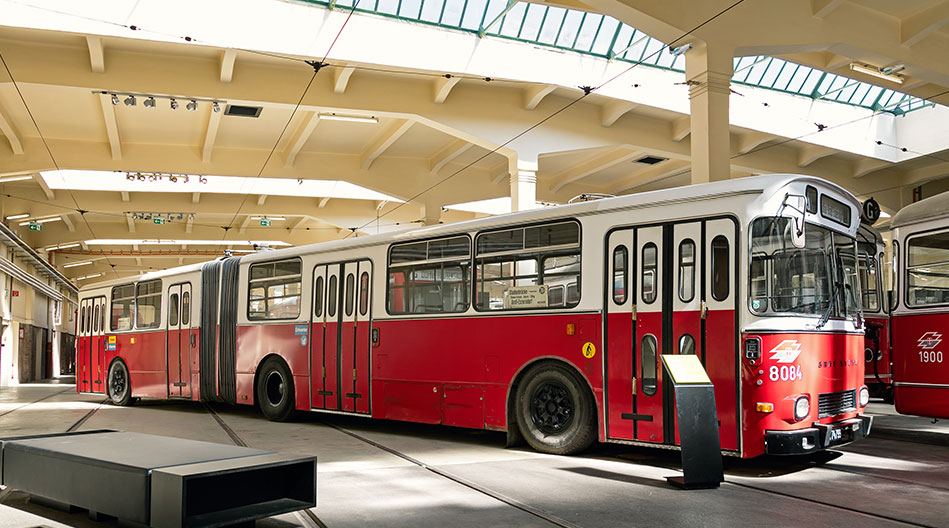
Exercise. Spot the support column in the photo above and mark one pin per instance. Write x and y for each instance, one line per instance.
(431, 213)
(708, 70)
(524, 186)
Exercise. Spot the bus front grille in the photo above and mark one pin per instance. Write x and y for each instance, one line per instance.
(834, 403)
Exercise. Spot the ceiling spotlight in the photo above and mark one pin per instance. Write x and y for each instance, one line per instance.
(192, 106)
(680, 49)
(130, 100)
(115, 99)
(174, 104)
(141, 177)
(149, 103)
(216, 107)
(173, 178)
(202, 179)
(129, 176)
(152, 177)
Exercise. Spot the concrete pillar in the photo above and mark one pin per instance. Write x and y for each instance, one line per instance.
(524, 186)
(431, 213)
(708, 70)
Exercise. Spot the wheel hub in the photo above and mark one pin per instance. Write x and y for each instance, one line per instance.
(552, 408)
(276, 388)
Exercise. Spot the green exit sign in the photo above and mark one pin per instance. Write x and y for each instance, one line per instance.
(264, 222)
(158, 221)
(36, 227)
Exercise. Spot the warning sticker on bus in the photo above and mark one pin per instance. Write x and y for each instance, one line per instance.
(527, 297)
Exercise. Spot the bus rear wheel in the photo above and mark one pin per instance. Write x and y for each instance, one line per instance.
(118, 387)
(275, 390)
(555, 412)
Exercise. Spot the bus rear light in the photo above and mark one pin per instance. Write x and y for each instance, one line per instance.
(802, 408)
(571, 329)
(764, 407)
(864, 396)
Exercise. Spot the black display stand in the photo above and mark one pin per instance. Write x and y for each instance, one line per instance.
(698, 424)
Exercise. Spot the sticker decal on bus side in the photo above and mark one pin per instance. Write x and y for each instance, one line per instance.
(786, 351)
(589, 350)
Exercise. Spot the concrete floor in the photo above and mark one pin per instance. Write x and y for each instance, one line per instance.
(378, 473)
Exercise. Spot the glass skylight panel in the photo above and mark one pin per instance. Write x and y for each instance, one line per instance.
(531, 27)
(601, 46)
(860, 94)
(651, 51)
(771, 72)
(451, 15)
(513, 20)
(623, 39)
(785, 75)
(431, 11)
(589, 31)
(568, 31)
(389, 7)
(551, 25)
(474, 12)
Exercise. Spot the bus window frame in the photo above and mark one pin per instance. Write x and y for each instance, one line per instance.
(160, 295)
(469, 261)
(905, 275)
(132, 311)
(301, 295)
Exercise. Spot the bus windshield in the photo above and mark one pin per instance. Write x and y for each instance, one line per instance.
(818, 279)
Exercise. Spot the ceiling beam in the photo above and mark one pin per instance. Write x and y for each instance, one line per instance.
(196, 198)
(810, 153)
(533, 95)
(38, 178)
(444, 156)
(214, 122)
(835, 62)
(68, 222)
(131, 222)
(341, 78)
(915, 28)
(614, 110)
(442, 87)
(867, 165)
(227, 65)
(324, 201)
(261, 199)
(297, 223)
(657, 172)
(244, 224)
(125, 196)
(385, 140)
(750, 140)
(926, 174)
(7, 128)
(822, 8)
(96, 55)
(189, 225)
(111, 128)
(304, 131)
(592, 166)
(680, 128)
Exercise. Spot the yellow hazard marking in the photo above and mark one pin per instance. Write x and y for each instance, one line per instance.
(589, 350)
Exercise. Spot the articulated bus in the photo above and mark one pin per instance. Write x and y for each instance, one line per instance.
(547, 324)
(876, 311)
(920, 319)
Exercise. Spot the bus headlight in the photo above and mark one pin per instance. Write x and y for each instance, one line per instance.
(802, 407)
(864, 396)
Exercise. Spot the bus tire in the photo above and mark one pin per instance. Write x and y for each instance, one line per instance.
(555, 412)
(275, 390)
(118, 385)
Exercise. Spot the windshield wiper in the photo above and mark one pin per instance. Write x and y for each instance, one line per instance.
(830, 306)
(858, 319)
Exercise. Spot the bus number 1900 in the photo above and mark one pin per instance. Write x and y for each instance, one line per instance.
(930, 356)
(786, 373)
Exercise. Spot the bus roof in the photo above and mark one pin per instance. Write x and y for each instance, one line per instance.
(926, 209)
(752, 184)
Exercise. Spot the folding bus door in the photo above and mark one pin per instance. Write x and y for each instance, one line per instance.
(652, 276)
(347, 337)
(83, 360)
(188, 340)
(98, 344)
(322, 379)
(362, 332)
(173, 341)
(621, 372)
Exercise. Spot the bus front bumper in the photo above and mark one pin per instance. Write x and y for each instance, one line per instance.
(820, 436)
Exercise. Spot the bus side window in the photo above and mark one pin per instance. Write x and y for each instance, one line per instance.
(759, 284)
(649, 364)
(620, 274)
(686, 345)
(720, 268)
(364, 293)
(686, 270)
(186, 308)
(649, 273)
(173, 310)
(350, 293)
(95, 320)
(318, 298)
(82, 319)
(331, 297)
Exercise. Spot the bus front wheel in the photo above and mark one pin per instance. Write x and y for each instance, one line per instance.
(555, 412)
(118, 387)
(275, 390)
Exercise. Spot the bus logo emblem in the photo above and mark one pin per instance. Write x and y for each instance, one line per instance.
(786, 351)
(930, 340)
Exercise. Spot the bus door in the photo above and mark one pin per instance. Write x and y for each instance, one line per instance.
(719, 336)
(97, 346)
(354, 336)
(178, 340)
(652, 277)
(82, 346)
(324, 375)
(622, 374)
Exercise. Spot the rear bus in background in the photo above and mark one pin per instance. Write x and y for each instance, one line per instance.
(876, 309)
(920, 318)
(547, 324)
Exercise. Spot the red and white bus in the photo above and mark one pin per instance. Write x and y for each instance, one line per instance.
(920, 319)
(876, 311)
(546, 324)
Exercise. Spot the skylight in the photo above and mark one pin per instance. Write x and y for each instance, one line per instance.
(172, 242)
(119, 181)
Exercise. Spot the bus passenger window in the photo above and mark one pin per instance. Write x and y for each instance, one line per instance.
(186, 308)
(274, 290)
(318, 298)
(686, 270)
(95, 320)
(331, 297)
(620, 274)
(148, 304)
(428, 277)
(123, 302)
(720, 268)
(649, 364)
(649, 272)
(810, 194)
(927, 266)
(686, 345)
(173, 310)
(364, 293)
(350, 293)
(759, 284)
(555, 296)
